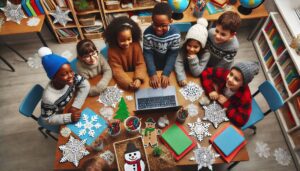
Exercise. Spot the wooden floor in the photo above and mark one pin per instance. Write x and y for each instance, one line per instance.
(22, 147)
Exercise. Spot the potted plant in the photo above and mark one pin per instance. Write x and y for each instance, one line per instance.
(83, 5)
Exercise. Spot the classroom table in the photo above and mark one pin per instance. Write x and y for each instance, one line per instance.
(92, 103)
(12, 28)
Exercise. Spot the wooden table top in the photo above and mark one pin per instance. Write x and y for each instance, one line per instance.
(259, 12)
(9, 27)
(92, 103)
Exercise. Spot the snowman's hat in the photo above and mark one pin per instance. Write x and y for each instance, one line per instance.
(131, 148)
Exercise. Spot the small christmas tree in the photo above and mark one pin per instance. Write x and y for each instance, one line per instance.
(122, 112)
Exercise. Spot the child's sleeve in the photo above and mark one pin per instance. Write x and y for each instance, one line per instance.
(149, 59)
(197, 65)
(120, 76)
(179, 67)
(106, 75)
(211, 76)
(171, 56)
(140, 66)
(49, 115)
(83, 87)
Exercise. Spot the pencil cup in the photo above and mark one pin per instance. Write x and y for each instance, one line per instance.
(182, 114)
(114, 128)
(198, 13)
(132, 124)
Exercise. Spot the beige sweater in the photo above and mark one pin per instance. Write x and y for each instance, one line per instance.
(126, 60)
(90, 71)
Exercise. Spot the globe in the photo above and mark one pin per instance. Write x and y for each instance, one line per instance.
(178, 7)
(247, 6)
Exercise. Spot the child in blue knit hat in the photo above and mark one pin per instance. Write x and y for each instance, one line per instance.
(59, 91)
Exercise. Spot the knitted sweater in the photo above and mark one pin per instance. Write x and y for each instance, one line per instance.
(238, 105)
(161, 52)
(90, 71)
(195, 65)
(126, 60)
(54, 101)
(222, 55)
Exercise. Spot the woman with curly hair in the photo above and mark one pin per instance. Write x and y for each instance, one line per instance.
(125, 54)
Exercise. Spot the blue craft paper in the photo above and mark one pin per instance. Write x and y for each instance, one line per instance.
(229, 140)
(89, 139)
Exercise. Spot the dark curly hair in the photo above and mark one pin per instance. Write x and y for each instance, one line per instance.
(85, 47)
(120, 24)
(162, 9)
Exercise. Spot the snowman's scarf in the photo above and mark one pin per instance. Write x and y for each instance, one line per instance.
(135, 162)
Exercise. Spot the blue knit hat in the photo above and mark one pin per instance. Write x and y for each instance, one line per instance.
(51, 62)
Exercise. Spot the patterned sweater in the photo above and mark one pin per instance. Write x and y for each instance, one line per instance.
(90, 71)
(222, 55)
(238, 105)
(161, 52)
(54, 101)
(126, 60)
(195, 65)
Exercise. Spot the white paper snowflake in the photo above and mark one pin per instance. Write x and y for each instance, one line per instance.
(33, 21)
(282, 156)
(73, 151)
(192, 109)
(111, 96)
(60, 16)
(13, 12)
(88, 126)
(215, 114)
(262, 149)
(191, 91)
(65, 132)
(129, 98)
(204, 157)
(199, 129)
(35, 61)
(107, 112)
(108, 156)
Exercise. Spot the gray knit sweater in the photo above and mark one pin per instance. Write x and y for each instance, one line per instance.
(54, 101)
(222, 55)
(195, 65)
(90, 71)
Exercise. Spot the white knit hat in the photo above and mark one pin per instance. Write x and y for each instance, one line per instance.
(198, 32)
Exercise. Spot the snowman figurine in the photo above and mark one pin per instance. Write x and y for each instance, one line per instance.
(133, 161)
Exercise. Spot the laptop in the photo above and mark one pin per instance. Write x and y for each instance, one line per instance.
(151, 100)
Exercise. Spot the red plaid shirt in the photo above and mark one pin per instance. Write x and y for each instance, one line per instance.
(238, 105)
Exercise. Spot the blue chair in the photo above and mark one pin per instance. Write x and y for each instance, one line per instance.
(28, 105)
(183, 27)
(274, 100)
(104, 52)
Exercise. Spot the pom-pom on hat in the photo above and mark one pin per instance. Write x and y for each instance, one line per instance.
(198, 32)
(51, 62)
(248, 70)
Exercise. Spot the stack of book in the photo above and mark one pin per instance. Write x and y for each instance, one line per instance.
(177, 140)
(228, 142)
(219, 3)
(32, 7)
(67, 32)
(212, 9)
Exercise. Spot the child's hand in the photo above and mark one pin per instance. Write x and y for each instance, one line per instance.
(192, 56)
(222, 99)
(182, 83)
(164, 81)
(214, 95)
(76, 116)
(137, 83)
(154, 81)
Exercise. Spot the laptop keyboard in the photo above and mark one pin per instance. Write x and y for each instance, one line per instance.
(156, 102)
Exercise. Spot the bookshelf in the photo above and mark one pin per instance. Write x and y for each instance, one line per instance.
(84, 24)
(281, 66)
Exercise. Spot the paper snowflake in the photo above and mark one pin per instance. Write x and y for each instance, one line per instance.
(199, 129)
(88, 125)
(60, 16)
(35, 61)
(33, 21)
(191, 91)
(282, 156)
(111, 96)
(13, 12)
(108, 156)
(73, 151)
(262, 149)
(65, 132)
(107, 112)
(215, 114)
(193, 110)
(129, 98)
(204, 157)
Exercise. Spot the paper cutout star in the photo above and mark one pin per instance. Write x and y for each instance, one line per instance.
(204, 157)
(199, 129)
(13, 12)
(215, 114)
(60, 16)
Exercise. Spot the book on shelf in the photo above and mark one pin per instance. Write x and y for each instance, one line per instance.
(280, 49)
(287, 62)
(274, 71)
(271, 33)
(294, 85)
(67, 32)
(291, 75)
(30, 8)
(270, 62)
(39, 5)
(297, 103)
(268, 56)
(35, 7)
(289, 115)
(269, 26)
(266, 49)
(283, 58)
(26, 9)
(277, 80)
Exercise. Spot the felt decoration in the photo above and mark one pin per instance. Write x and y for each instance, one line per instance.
(110, 96)
(129, 98)
(215, 114)
(133, 161)
(13, 12)
(282, 156)
(122, 113)
(150, 133)
(191, 91)
(262, 150)
(204, 156)
(157, 151)
(108, 156)
(199, 129)
(33, 21)
(60, 16)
